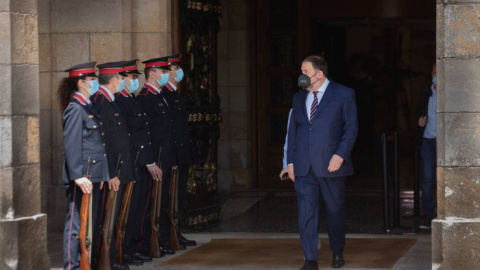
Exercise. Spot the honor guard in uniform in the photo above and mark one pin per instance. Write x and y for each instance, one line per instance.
(181, 142)
(119, 152)
(160, 123)
(85, 165)
(134, 249)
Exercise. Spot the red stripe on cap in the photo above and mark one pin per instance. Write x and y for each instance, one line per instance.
(110, 71)
(158, 64)
(130, 68)
(80, 72)
(174, 60)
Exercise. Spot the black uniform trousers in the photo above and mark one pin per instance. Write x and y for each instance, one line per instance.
(71, 244)
(146, 228)
(182, 196)
(164, 218)
(139, 213)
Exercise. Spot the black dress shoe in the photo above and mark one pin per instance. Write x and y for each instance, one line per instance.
(186, 242)
(131, 260)
(167, 250)
(117, 266)
(143, 257)
(338, 260)
(310, 265)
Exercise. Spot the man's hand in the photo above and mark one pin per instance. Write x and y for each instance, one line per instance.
(291, 173)
(112, 183)
(422, 121)
(84, 184)
(285, 170)
(156, 172)
(335, 163)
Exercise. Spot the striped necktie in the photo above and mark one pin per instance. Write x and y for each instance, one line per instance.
(314, 106)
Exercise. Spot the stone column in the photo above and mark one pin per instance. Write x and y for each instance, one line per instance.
(456, 231)
(22, 226)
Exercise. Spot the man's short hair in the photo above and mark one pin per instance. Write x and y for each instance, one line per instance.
(318, 63)
(105, 79)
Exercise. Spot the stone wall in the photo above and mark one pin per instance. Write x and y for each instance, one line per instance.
(73, 32)
(22, 226)
(234, 154)
(457, 228)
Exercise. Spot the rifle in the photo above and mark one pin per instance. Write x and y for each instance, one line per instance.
(123, 218)
(173, 209)
(85, 234)
(107, 227)
(155, 249)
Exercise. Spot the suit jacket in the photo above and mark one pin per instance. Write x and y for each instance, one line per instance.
(116, 138)
(137, 125)
(422, 110)
(181, 131)
(82, 140)
(333, 131)
(160, 122)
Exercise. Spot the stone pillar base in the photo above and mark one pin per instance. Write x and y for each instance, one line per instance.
(24, 243)
(455, 244)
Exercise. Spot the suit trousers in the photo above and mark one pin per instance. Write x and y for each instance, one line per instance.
(137, 216)
(310, 189)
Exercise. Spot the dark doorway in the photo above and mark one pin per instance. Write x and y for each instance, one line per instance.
(384, 50)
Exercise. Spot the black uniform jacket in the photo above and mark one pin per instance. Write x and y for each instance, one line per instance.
(115, 137)
(138, 127)
(160, 122)
(181, 131)
(82, 141)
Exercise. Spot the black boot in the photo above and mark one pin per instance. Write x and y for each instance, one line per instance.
(310, 265)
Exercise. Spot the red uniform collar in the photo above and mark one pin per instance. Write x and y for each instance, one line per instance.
(80, 98)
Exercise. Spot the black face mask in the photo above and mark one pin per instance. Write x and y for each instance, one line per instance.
(304, 81)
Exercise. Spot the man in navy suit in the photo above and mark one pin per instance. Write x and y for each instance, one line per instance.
(322, 132)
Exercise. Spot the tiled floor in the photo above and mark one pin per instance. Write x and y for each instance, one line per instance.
(272, 214)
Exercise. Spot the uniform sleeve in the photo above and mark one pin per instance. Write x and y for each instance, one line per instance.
(72, 141)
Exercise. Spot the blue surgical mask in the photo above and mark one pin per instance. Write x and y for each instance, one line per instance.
(134, 84)
(93, 87)
(179, 76)
(434, 80)
(122, 86)
(164, 79)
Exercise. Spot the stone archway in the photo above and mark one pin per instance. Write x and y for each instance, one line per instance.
(455, 232)
(23, 229)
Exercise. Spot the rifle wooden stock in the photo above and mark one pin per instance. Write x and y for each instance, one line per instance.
(82, 236)
(84, 221)
(104, 263)
(174, 242)
(122, 221)
(155, 250)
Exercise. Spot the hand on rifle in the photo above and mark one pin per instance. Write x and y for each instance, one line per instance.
(112, 183)
(84, 184)
(156, 172)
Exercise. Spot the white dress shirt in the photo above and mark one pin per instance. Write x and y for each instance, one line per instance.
(310, 96)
